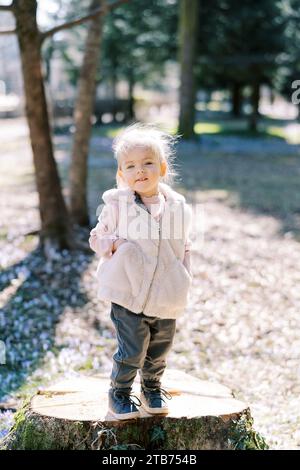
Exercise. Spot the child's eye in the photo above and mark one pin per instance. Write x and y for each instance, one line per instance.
(149, 163)
(128, 168)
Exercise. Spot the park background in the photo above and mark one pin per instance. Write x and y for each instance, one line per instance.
(222, 74)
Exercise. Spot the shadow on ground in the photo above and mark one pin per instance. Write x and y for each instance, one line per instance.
(38, 294)
(262, 184)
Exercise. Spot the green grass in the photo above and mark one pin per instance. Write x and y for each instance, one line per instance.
(240, 129)
(220, 124)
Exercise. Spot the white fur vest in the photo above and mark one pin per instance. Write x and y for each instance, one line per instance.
(146, 274)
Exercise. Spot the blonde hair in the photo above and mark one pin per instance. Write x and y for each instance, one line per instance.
(149, 137)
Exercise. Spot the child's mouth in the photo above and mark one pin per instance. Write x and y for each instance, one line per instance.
(141, 179)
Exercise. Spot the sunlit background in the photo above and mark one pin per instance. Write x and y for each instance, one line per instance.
(240, 163)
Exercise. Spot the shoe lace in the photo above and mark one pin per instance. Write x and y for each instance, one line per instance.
(128, 397)
(160, 391)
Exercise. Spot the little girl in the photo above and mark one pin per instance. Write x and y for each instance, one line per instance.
(142, 237)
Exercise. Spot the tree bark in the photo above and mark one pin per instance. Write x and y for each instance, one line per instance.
(255, 96)
(55, 228)
(83, 125)
(188, 22)
(131, 112)
(114, 95)
(73, 415)
(236, 98)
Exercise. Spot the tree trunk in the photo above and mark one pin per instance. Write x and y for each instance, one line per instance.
(73, 415)
(272, 95)
(83, 125)
(188, 21)
(236, 98)
(131, 112)
(55, 230)
(255, 95)
(114, 94)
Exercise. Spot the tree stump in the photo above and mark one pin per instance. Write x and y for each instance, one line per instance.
(73, 414)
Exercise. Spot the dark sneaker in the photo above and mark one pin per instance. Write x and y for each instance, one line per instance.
(154, 400)
(121, 405)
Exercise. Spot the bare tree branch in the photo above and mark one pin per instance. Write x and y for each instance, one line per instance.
(7, 31)
(6, 7)
(99, 11)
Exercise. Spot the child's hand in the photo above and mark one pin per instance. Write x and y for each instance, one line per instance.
(117, 243)
(93, 240)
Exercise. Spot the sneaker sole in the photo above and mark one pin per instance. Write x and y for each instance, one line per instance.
(154, 411)
(121, 416)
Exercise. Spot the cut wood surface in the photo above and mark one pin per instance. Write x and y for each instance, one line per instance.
(73, 414)
(85, 398)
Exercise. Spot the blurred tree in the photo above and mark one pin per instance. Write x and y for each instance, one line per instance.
(69, 46)
(56, 232)
(135, 46)
(53, 212)
(82, 118)
(189, 20)
(240, 44)
(135, 49)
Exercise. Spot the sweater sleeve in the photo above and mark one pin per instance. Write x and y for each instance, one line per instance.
(103, 235)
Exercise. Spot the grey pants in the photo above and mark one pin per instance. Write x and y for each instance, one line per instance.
(143, 344)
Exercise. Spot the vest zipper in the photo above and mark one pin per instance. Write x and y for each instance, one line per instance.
(143, 206)
(159, 232)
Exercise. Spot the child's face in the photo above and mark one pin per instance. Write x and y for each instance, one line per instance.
(141, 170)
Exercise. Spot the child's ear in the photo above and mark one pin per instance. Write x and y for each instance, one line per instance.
(163, 168)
